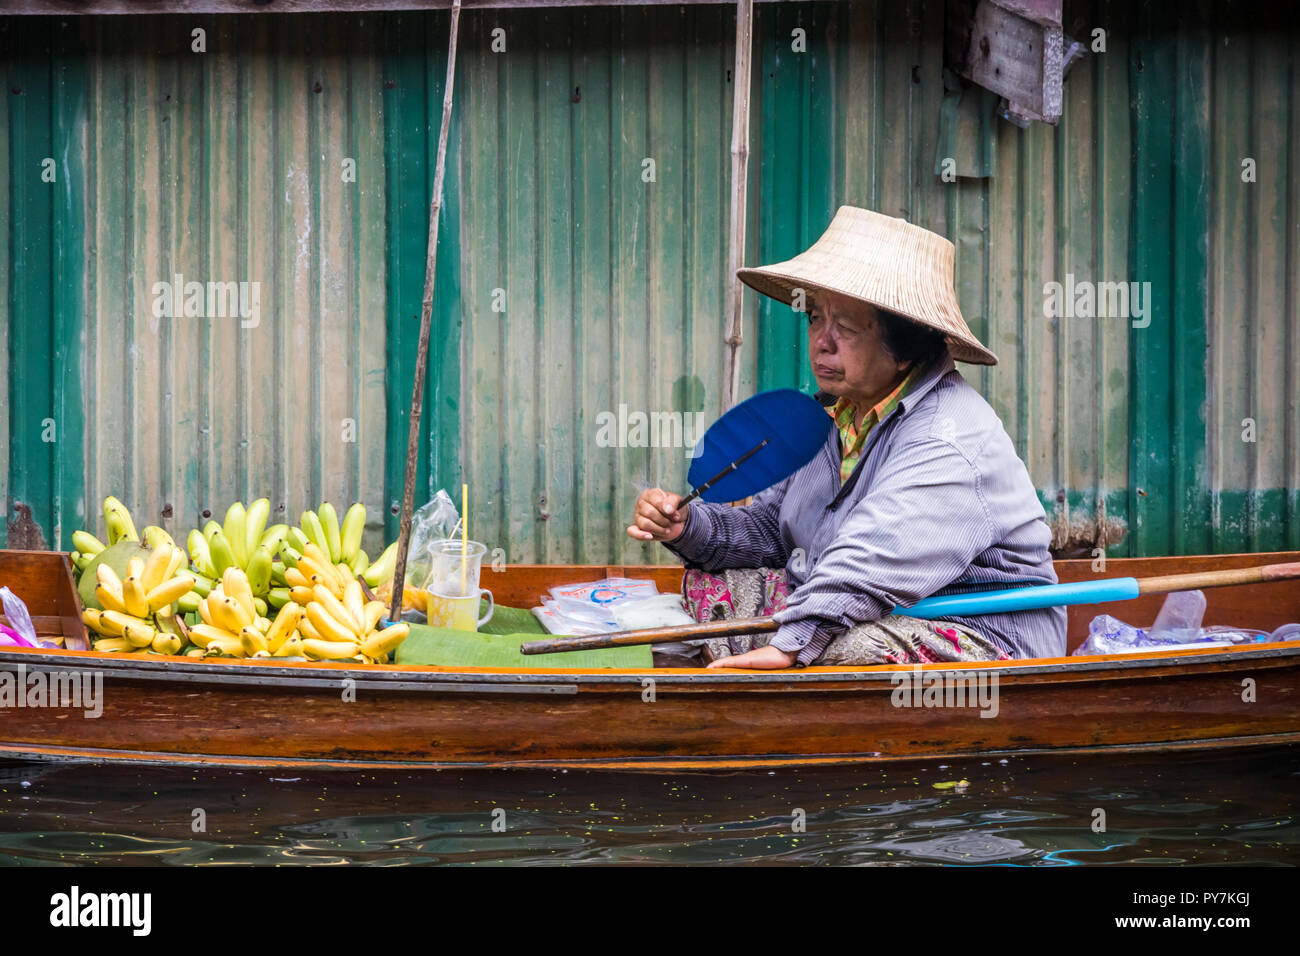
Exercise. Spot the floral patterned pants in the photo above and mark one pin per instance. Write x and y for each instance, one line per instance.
(894, 639)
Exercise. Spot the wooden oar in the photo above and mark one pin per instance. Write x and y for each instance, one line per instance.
(984, 602)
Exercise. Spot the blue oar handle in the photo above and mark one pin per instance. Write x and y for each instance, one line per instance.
(1023, 599)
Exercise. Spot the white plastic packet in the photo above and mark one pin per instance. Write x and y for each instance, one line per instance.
(662, 610)
(20, 622)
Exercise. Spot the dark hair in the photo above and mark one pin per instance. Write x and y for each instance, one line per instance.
(909, 341)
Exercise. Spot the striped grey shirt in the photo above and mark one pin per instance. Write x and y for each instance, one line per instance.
(939, 503)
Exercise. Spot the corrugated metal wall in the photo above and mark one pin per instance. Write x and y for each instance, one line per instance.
(610, 286)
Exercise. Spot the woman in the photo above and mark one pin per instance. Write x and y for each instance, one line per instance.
(918, 491)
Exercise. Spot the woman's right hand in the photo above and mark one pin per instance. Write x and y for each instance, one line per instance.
(657, 516)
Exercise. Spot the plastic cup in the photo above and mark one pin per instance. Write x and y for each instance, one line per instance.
(454, 574)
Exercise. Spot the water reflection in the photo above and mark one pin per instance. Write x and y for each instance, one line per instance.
(1022, 812)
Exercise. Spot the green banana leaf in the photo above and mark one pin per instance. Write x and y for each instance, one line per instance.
(497, 645)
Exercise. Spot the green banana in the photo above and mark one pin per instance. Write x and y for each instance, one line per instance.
(209, 529)
(200, 554)
(296, 539)
(189, 603)
(274, 537)
(277, 574)
(278, 597)
(259, 571)
(260, 606)
(233, 528)
(118, 521)
(87, 543)
(383, 567)
(329, 520)
(254, 525)
(289, 556)
(360, 561)
(202, 583)
(223, 555)
(311, 527)
(354, 523)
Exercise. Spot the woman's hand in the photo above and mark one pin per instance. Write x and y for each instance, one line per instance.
(658, 517)
(765, 658)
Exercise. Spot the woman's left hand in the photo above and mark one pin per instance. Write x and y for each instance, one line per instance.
(766, 658)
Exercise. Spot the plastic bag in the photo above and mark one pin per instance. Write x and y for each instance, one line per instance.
(590, 607)
(432, 522)
(20, 622)
(662, 610)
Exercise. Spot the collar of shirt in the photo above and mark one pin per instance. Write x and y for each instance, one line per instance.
(845, 413)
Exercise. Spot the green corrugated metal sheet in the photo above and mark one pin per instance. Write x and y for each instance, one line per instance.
(612, 287)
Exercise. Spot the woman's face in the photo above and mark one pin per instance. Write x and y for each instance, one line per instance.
(846, 352)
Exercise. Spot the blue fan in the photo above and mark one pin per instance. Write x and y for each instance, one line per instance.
(763, 440)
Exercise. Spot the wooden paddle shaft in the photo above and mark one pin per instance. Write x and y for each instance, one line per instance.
(1164, 584)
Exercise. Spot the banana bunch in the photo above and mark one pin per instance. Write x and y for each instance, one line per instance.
(138, 613)
(232, 627)
(242, 541)
(337, 629)
(413, 599)
(120, 528)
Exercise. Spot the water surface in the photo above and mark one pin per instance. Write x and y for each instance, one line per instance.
(1035, 811)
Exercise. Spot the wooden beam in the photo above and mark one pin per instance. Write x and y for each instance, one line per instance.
(66, 7)
(739, 199)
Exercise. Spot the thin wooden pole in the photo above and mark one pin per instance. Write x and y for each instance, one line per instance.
(426, 318)
(739, 203)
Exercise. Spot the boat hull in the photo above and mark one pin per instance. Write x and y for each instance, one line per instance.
(247, 714)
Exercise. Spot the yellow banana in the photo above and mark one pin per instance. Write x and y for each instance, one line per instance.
(328, 627)
(205, 610)
(295, 578)
(354, 523)
(155, 568)
(134, 598)
(229, 646)
(118, 521)
(290, 648)
(307, 630)
(284, 626)
(371, 616)
(227, 613)
(167, 592)
(334, 606)
(203, 634)
(381, 643)
(194, 652)
(178, 561)
(253, 640)
(112, 644)
(90, 617)
(300, 595)
(355, 602)
(139, 634)
(235, 584)
(329, 650)
(167, 644)
(154, 536)
(111, 600)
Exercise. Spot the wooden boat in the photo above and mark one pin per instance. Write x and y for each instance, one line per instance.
(177, 711)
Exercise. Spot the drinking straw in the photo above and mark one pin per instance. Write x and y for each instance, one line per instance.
(464, 537)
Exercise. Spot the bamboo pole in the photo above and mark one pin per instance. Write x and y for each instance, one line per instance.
(426, 317)
(739, 201)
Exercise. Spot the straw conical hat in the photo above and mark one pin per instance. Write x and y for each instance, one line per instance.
(888, 262)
